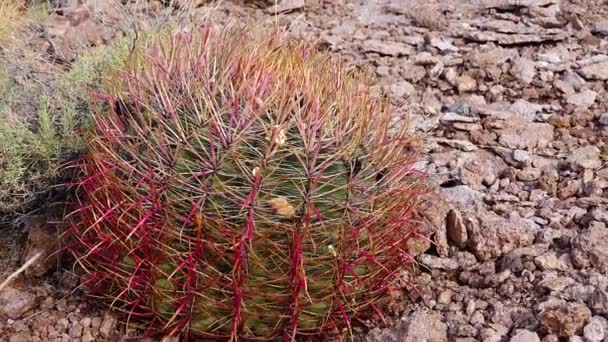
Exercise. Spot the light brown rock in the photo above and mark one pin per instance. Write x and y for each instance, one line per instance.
(565, 320)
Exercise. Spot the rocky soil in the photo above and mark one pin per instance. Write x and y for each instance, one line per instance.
(511, 97)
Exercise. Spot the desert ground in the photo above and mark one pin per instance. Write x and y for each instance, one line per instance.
(510, 97)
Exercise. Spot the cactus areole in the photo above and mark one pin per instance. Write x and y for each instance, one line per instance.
(240, 186)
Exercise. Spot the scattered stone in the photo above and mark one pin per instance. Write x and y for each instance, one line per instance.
(419, 326)
(466, 84)
(285, 6)
(601, 28)
(423, 326)
(598, 302)
(417, 245)
(463, 145)
(14, 303)
(453, 117)
(595, 330)
(402, 89)
(456, 231)
(491, 235)
(595, 71)
(522, 157)
(386, 48)
(583, 99)
(529, 174)
(565, 320)
(564, 87)
(586, 157)
(603, 119)
(550, 261)
(108, 325)
(42, 238)
(526, 136)
(524, 70)
(523, 335)
(462, 195)
(590, 248)
(438, 263)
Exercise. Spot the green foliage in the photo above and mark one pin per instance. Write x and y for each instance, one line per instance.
(32, 147)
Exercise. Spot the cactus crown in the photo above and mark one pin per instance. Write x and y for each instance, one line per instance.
(241, 185)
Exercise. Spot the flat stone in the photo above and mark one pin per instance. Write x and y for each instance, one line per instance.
(526, 136)
(595, 71)
(402, 89)
(386, 48)
(453, 117)
(14, 303)
(595, 330)
(565, 320)
(463, 145)
(529, 174)
(438, 263)
(466, 83)
(522, 157)
(491, 236)
(601, 28)
(603, 119)
(456, 230)
(586, 157)
(285, 6)
(462, 195)
(583, 99)
(523, 335)
(590, 248)
(524, 70)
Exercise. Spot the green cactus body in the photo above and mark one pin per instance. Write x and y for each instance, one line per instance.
(243, 186)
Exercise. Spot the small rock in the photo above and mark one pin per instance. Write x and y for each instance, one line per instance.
(438, 263)
(523, 335)
(108, 325)
(456, 231)
(595, 71)
(463, 145)
(524, 70)
(598, 302)
(570, 189)
(466, 84)
(583, 99)
(604, 119)
(14, 303)
(285, 6)
(550, 261)
(601, 28)
(553, 282)
(417, 245)
(595, 330)
(19, 337)
(491, 235)
(565, 320)
(591, 248)
(423, 326)
(402, 89)
(526, 136)
(564, 87)
(445, 297)
(528, 174)
(586, 157)
(511, 261)
(454, 117)
(386, 48)
(522, 157)
(462, 195)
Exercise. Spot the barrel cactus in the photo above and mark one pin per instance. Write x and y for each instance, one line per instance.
(239, 185)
